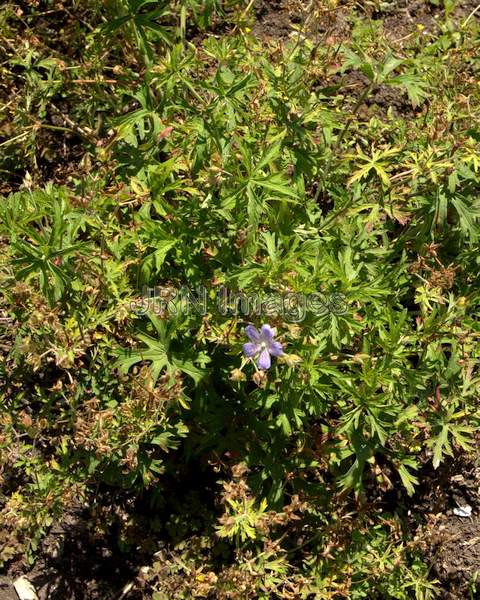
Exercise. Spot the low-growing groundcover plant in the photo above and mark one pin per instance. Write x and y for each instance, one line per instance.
(162, 145)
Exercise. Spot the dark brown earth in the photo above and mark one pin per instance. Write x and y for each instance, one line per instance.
(458, 556)
(7, 591)
(279, 19)
(452, 542)
(76, 563)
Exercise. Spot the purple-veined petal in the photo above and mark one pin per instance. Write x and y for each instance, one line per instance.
(264, 361)
(250, 349)
(276, 349)
(252, 333)
(267, 333)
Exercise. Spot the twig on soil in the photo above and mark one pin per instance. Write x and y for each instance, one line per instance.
(84, 132)
(242, 16)
(88, 81)
(403, 38)
(126, 590)
(465, 23)
(16, 138)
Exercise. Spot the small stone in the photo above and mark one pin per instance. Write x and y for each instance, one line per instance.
(463, 511)
(25, 589)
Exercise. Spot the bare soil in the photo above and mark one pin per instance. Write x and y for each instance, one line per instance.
(279, 19)
(453, 542)
(76, 563)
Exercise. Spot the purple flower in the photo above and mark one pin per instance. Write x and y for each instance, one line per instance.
(262, 345)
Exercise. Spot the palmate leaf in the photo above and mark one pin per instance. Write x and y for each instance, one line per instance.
(257, 186)
(142, 20)
(158, 242)
(157, 352)
(409, 481)
(154, 261)
(467, 216)
(138, 126)
(38, 263)
(415, 87)
(276, 183)
(160, 361)
(169, 440)
(352, 479)
(256, 200)
(378, 162)
(441, 446)
(154, 352)
(271, 153)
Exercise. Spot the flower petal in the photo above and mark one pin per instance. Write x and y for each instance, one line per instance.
(264, 361)
(275, 349)
(250, 349)
(252, 333)
(267, 333)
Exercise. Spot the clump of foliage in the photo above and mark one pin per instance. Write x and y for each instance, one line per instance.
(149, 151)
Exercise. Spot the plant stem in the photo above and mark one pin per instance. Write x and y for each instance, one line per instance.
(341, 137)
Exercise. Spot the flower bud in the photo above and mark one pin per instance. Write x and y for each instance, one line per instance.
(237, 375)
(291, 360)
(260, 378)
